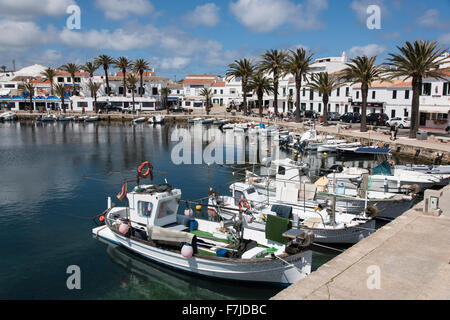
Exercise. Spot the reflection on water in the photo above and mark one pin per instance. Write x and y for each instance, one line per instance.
(56, 176)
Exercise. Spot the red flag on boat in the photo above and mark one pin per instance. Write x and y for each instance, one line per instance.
(123, 193)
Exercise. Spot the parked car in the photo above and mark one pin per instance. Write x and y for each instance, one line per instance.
(351, 117)
(110, 108)
(334, 116)
(401, 122)
(378, 119)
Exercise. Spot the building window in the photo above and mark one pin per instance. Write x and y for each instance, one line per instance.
(406, 94)
(357, 94)
(284, 92)
(320, 107)
(215, 91)
(311, 106)
(221, 91)
(426, 89)
(68, 79)
(303, 106)
(9, 86)
(121, 90)
(154, 91)
(291, 92)
(346, 108)
(329, 107)
(446, 89)
(405, 112)
(373, 94)
(311, 95)
(394, 94)
(77, 79)
(347, 91)
(60, 79)
(392, 113)
(187, 103)
(304, 92)
(338, 92)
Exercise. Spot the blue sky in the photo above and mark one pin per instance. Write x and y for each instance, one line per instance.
(196, 36)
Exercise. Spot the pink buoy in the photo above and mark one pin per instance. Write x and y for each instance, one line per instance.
(187, 251)
(123, 228)
(188, 212)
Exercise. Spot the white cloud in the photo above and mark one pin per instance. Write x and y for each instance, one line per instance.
(431, 19)
(368, 50)
(172, 63)
(22, 35)
(20, 9)
(445, 39)
(121, 9)
(267, 15)
(206, 15)
(119, 39)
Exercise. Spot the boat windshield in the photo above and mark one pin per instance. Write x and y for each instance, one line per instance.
(145, 208)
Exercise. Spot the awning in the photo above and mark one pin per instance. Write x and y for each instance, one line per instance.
(172, 99)
(434, 109)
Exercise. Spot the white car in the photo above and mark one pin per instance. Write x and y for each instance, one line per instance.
(401, 122)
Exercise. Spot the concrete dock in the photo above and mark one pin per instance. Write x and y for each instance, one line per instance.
(408, 258)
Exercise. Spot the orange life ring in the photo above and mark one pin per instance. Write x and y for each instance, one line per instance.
(142, 166)
(245, 202)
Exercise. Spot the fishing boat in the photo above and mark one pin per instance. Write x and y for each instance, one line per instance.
(327, 226)
(195, 120)
(436, 170)
(150, 227)
(208, 121)
(157, 120)
(91, 119)
(8, 116)
(331, 146)
(385, 178)
(139, 120)
(362, 151)
(47, 118)
(291, 184)
(64, 119)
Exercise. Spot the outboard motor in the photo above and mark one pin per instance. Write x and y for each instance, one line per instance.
(336, 168)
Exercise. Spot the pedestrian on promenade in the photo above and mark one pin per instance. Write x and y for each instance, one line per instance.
(393, 134)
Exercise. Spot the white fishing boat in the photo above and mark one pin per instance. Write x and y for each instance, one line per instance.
(194, 120)
(156, 120)
(139, 120)
(8, 116)
(208, 121)
(92, 119)
(436, 170)
(332, 146)
(150, 227)
(330, 226)
(291, 184)
(385, 178)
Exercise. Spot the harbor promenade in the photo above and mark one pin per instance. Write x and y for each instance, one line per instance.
(408, 258)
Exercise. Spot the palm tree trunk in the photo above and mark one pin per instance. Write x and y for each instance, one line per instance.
(95, 102)
(63, 105)
(31, 103)
(132, 95)
(73, 85)
(364, 93)
(275, 101)
(51, 87)
(298, 84)
(260, 103)
(416, 86)
(325, 109)
(107, 81)
(125, 83)
(244, 92)
(141, 83)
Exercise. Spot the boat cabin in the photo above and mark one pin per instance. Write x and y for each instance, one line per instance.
(153, 205)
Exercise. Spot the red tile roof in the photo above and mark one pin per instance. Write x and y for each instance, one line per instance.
(219, 84)
(145, 74)
(198, 81)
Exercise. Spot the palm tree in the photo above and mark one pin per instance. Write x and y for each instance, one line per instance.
(274, 62)
(90, 67)
(364, 71)
(416, 61)
(71, 68)
(94, 87)
(131, 84)
(30, 89)
(50, 74)
(140, 66)
(164, 95)
(61, 92)
(324, 83)
(123, 64)
(243, 69)
(207, 93)
(261, 84)
(299, 65)
(3, 69)
(105, 61)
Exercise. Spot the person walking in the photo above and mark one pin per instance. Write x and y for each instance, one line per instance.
(393, 129)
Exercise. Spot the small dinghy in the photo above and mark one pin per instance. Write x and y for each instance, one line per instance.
(195, 120)
(91, 119)
(8, 116)
(156, 119)
(150, 227)
(139, 120)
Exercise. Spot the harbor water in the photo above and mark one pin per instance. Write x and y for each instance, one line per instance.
(55, 177)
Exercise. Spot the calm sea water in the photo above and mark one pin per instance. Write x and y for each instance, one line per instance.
(55, 177)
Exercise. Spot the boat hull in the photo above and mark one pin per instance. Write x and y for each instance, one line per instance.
(272, 271)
